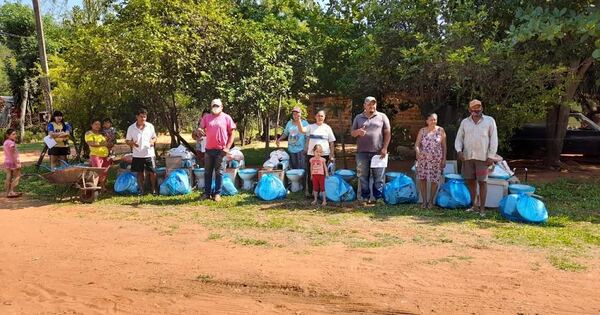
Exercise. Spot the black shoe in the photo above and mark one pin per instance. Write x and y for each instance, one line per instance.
(205, 197)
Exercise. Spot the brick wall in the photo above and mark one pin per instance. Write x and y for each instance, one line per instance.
(339, 112)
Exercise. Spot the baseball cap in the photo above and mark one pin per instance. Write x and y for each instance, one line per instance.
(216, 102)
(475, 104)
(370, 99)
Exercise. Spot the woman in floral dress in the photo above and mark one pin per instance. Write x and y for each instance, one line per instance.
(431, 158)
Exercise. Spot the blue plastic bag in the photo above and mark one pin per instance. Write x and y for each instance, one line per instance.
(338, 190)
(177, 183)
(531, 209)
(453, 194)
(523, 208)
(508, 208)
(401, 189)
(228, 188)
(270, 187)
(126, 184)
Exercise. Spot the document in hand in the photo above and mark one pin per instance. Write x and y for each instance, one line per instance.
(49, 141)
(378, 162)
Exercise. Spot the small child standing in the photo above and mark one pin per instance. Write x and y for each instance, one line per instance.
(318, 172)
(111, 134)
(12, 164)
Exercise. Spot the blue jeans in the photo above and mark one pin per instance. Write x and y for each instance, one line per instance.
(297, 160)
(213, 161)
(365, 173)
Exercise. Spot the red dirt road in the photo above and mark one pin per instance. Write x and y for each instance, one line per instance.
(53, 261)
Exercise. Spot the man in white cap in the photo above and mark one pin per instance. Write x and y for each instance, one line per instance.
(476, 144)
(373, 133)
(218, 128)
(296, 139)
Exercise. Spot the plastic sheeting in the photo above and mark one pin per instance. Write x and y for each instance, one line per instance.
(338, 190)
(401, 189)
(523, 208)
(270, 187)
(227, 188)
(177, 183)
(453, 194)
(126, 184)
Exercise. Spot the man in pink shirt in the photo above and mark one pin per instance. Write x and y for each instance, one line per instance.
(218, 128)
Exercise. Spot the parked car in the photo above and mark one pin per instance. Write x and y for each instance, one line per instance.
(582, 137)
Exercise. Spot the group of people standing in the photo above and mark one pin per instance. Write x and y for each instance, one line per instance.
(476, 146)
(311, 147)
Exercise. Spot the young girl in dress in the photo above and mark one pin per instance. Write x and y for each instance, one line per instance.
(12, 164)
(318, 172)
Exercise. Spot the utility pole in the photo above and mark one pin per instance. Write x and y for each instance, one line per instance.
(43, 59)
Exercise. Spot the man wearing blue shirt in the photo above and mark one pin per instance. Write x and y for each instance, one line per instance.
(296, 139)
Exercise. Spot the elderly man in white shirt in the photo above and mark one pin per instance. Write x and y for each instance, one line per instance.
(476, 144)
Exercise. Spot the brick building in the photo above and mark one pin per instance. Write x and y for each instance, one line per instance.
(406, 112)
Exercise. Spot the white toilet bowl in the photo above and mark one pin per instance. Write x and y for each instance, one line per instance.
(295, 177)
(248, 175)
(199, 175)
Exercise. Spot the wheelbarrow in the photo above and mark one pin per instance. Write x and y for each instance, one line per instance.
(81, 177)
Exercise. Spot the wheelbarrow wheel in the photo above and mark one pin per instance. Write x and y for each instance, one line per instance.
(88, 195)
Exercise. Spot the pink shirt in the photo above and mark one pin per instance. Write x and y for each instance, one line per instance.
(317, 166)
(218, 128)
(11, 155)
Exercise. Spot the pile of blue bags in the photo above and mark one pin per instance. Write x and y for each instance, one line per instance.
(338, 190)
(523, 208)
(270, 187)
(176, 183)
(453, 193)
(126, 184)
(228, 188)
(401, 189)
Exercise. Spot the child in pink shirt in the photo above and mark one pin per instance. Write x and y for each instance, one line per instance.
(12, 164)
(318, 172)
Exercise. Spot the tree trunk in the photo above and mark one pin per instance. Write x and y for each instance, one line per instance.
(558, 117)
(267, 136)
(278, 114)
(24, 99)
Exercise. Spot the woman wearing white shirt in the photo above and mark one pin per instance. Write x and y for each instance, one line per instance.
(317, 133)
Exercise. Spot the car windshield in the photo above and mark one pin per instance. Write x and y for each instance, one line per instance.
(579, 121)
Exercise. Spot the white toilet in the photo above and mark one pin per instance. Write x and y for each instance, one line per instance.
(199, 175)
(295, 177)
(248, 175)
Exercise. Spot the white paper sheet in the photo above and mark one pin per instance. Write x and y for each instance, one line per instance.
(378, 162)
(50, 142)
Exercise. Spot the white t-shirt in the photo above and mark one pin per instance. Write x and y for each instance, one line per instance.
(142, 138)
(319, 135)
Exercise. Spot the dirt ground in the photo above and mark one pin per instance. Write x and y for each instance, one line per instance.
(69, 259)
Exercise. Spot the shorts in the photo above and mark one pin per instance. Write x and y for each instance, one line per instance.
(475, 169)
(60, 151)
(104, 162)
(318, 182)
(143, 164)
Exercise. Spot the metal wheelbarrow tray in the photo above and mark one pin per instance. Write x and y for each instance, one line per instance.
(83, 178)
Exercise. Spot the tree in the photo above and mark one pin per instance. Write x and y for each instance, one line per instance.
(567, 37)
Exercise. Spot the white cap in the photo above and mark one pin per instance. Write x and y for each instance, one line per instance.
(216, 101)
(370, 99)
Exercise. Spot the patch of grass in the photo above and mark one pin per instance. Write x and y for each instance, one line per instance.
(574, 235)
(250, 242)
(565, 263)
(205, 278)
(28, 147)
(214, 236)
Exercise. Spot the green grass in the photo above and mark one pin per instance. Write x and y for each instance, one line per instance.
(565, 263)
(28, 147)
(251, 242)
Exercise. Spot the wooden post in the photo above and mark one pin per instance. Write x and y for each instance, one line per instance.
(42, 54)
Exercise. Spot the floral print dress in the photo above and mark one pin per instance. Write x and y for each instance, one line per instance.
(429, 168)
